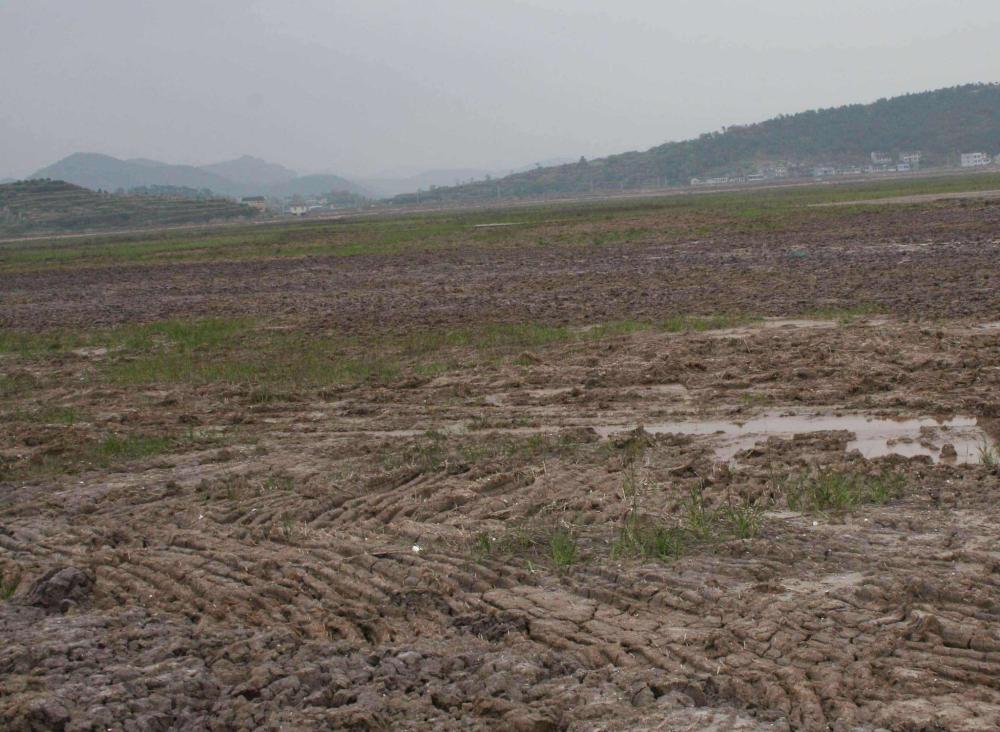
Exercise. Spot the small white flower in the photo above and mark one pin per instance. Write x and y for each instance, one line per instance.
(416, 549)
(815, 523)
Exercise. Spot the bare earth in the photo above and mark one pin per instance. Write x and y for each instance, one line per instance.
(378, 555)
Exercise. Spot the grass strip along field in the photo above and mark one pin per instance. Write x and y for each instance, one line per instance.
(673, 217)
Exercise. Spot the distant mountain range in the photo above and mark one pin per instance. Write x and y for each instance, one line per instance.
(940, 124)
(245, 176)
(250, 176)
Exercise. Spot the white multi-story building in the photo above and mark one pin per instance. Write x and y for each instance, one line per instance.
(881, 158)
(910, 158)
(975, 159)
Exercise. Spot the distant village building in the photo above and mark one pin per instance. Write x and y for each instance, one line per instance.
(975, 159)
(821, 171)
(902, 167)
(257, 202)
(911, 158)
(297, 209)
(881, 158)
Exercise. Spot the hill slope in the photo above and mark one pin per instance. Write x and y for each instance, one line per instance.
(939, 123)
(46, 206)
(244, 176)
(103, 172)
(251, 171)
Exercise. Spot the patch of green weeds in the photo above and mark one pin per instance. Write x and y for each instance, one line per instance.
(642, 537)
(701, 323)
(8, 587)
(513, 541)
(177, 334)
(16, 384)
(700, 518)
(743, 519)
(130, 447)
(287, 525)
(834, 490)
(988, 456)
(562, 548)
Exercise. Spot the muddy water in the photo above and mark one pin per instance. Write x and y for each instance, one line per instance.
(873, 437)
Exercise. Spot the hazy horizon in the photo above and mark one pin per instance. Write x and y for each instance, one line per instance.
(359, 89)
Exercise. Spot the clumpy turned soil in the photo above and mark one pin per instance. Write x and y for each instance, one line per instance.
(448, 551)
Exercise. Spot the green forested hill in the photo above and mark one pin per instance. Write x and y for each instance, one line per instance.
(940, 124)
(44, 206)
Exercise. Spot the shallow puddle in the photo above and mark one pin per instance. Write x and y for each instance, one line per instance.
(873, 437)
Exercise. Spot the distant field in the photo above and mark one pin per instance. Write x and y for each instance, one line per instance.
(675, 218)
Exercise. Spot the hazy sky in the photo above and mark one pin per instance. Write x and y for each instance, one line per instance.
(363, 86)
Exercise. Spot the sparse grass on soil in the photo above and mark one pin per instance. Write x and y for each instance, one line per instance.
(833, 490)
(241, 352)
(845, 315)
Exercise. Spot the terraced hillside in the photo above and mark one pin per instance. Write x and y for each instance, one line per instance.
(42, 206)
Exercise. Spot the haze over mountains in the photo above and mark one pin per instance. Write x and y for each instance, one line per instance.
(940, 124)
(248, 176)
(245, 176)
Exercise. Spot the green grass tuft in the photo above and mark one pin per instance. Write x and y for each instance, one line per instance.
(562, 548)
(988, 456)
(641, 537)
(8, 588)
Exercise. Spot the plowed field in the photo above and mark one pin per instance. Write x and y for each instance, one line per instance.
(699, 466)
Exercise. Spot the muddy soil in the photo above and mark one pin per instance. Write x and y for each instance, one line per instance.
(387, 556)
(915, 262)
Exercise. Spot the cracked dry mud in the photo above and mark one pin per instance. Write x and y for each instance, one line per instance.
(324, 568)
